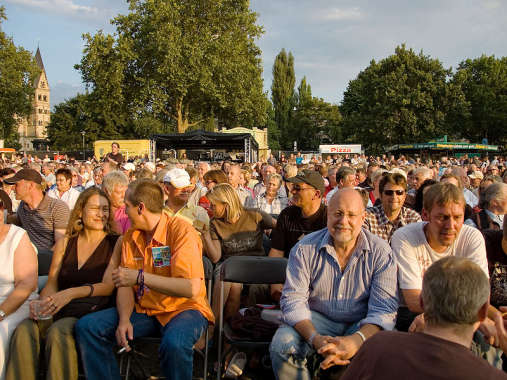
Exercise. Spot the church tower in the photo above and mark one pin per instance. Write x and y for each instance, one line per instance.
(32, 131)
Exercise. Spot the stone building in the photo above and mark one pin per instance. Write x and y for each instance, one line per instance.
(32, 130)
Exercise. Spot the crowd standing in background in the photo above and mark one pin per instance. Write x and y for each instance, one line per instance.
(373, 244)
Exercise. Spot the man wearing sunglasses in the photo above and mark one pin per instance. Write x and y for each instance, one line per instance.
(390, 214)
(307, 214)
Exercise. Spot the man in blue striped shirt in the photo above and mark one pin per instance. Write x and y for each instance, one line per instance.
(341, 288)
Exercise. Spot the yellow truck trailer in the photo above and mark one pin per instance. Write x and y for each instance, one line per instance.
(128, 148)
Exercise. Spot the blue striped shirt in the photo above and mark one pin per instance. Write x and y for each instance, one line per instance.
(365, 291)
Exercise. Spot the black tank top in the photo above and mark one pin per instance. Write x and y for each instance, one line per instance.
(92, 270)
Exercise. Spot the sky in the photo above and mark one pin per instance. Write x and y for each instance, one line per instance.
(331, 40)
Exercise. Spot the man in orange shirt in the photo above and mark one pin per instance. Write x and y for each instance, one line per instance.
(161, 275)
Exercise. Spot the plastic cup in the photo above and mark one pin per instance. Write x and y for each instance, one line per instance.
(37, 310)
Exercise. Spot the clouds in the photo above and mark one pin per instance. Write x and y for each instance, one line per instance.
(64, 7)
(333, 40)
(337, 14)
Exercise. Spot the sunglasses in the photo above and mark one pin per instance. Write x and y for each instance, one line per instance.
(391, 192)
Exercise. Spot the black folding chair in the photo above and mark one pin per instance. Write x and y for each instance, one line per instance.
(246, 270)
(138, 343)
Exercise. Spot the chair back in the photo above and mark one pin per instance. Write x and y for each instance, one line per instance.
(254, 270)
(44, 262)
(208, 268)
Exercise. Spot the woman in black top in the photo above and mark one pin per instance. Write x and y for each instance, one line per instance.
(79, 282)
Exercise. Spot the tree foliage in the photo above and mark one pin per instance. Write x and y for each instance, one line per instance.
(484, 83)
(315, 121)
(18, 71)
(406, 97)
(273, 131)
(282, 95)
(86, 113)
(179, 62)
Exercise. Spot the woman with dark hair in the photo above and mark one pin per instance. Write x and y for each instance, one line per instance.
(418, 204)
(79, 283)
(64, 189)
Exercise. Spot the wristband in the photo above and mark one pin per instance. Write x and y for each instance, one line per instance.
(139, 274)
(140, 289)
(91, 290)
(361, 335)
(311, 338)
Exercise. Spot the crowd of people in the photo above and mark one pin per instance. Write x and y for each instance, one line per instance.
(383, 253)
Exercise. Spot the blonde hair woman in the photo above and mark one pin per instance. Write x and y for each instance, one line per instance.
(234, 231)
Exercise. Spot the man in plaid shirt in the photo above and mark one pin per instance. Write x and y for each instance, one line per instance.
(384, 219)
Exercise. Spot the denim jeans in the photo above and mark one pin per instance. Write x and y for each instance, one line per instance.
(95, 337)
(289, 351)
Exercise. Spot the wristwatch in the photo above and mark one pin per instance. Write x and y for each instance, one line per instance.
(2, 315)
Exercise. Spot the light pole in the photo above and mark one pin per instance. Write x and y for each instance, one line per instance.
(83, 133)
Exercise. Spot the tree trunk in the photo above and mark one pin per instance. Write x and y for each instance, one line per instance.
(182, 123)
(182, 117)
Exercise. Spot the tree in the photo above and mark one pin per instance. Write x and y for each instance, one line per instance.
(484, 83)
(180, 61)
(304, 95)
(405, 97)
(18, 72)
(273, 131)
(282, 94)
(316, 122)
(85, 113)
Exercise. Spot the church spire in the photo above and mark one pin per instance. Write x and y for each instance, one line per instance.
(38, 59)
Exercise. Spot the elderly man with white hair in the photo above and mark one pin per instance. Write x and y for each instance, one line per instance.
(470, 197)
(493, 204)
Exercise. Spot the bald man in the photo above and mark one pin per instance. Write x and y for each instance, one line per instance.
(340, 289)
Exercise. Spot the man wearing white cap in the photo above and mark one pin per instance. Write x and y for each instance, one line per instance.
(178, 188)
(128, 168)
(475, 180)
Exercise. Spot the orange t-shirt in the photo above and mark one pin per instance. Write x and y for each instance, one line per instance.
(182, 259)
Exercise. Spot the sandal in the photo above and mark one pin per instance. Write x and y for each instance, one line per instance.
(236, 366)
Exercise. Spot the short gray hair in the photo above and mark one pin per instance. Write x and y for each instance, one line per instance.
(276, 176)
(112, 179)
(343, 172)
(453, 291)
(494, 191)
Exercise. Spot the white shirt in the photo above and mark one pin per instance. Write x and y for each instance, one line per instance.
(69, 197)
(470, 198)
(330, 194)
(414, 255)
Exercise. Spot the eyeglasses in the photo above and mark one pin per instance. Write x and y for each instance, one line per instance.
(391, 192)
(298, 188)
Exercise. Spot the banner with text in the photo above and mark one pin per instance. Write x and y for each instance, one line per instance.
(343, 148)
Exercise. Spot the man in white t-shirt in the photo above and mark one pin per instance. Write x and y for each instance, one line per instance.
(418, 245)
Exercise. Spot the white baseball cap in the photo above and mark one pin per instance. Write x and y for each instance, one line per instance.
(150, 166)
(129, 166)
(177, 177)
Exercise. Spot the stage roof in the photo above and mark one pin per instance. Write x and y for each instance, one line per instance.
(203, 140)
